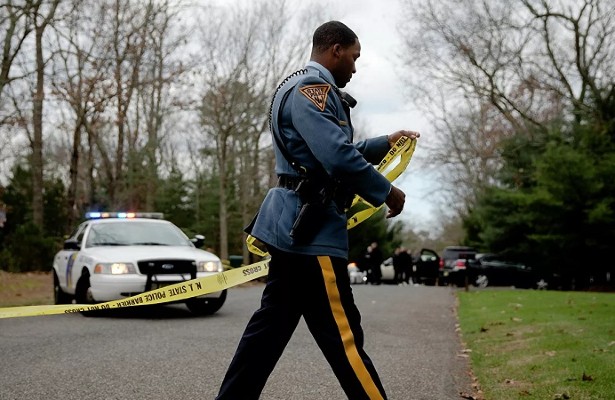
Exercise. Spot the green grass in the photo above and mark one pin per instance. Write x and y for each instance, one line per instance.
(528, 344)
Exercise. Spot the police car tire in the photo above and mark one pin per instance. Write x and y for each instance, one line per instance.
(81, 294)
(206, 306)
(59, 296)
(81, 290)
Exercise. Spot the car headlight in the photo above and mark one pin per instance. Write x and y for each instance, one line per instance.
(208, 266)
(115, 268)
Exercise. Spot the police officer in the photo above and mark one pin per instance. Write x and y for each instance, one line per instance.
(317, 165)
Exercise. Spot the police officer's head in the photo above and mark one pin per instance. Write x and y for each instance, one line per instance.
(336, 47)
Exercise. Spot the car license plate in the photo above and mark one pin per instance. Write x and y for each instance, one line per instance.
(160, 285)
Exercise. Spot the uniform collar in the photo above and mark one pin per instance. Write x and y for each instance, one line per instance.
(324, 71)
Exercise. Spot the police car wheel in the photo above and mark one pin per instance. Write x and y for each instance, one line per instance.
(83, 294)
(206, 306)
(59, 297)
(82, 291)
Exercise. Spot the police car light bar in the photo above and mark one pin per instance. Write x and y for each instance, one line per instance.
(99, 214)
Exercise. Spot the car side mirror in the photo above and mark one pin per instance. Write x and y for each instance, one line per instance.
(71, 244)
(198, 240)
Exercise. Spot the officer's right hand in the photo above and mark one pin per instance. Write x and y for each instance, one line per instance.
(395, 201)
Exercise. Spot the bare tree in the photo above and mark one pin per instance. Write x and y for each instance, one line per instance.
(241, 69)
(78, 79)
(115, 65)
(43, 15)
(16, 24)
(161, 69)
(493, 69)
(469, 160)
(117, 71)
(29, 118)
(128, 46)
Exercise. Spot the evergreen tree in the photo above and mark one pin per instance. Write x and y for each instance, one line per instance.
(555, 208)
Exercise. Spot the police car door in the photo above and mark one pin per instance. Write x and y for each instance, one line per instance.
(65, 259)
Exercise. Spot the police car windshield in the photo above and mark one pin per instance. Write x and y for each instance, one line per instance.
(135, 233)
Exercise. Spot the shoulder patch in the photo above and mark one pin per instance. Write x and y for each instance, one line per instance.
(317, 94)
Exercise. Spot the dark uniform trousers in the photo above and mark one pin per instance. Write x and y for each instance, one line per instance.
(317, 288)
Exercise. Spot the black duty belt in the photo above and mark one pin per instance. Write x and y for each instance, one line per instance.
(289, 182)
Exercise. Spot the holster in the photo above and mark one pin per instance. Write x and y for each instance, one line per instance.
(311, 216)
(309, 221)
(315, 198)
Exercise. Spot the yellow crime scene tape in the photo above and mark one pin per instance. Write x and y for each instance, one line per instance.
(175, 292)
(403, 149)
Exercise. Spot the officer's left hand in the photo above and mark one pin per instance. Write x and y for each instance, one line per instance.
(394, 137)
(395, 201)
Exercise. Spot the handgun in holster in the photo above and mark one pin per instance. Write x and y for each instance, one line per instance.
(311, 216)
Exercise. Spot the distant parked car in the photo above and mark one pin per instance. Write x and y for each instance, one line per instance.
(387, 271)
(356, 275)
(498, 270)
(425, 267)
(452, 271)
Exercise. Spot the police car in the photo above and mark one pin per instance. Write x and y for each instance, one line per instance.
(111, 256)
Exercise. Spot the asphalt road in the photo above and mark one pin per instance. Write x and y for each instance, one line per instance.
(166, 353)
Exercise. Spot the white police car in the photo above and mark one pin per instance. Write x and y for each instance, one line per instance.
(111, 256)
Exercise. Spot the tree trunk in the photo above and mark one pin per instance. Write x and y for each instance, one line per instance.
(37, 139)
(223, 213)
(74, 174)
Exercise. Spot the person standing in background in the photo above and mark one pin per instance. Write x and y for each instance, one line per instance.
(375, 259)
(398, 266)
(406, 266)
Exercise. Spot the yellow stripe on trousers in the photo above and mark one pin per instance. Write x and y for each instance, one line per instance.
(356, 362)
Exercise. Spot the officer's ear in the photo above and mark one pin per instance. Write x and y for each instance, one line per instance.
(337, 50)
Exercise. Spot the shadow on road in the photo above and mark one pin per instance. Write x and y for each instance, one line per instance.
(156, 311)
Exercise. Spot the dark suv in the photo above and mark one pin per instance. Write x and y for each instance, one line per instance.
(453, 265)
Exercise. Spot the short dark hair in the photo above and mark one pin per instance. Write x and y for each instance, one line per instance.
(331, 33)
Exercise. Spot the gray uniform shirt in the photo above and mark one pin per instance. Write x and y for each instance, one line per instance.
(308, 112)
